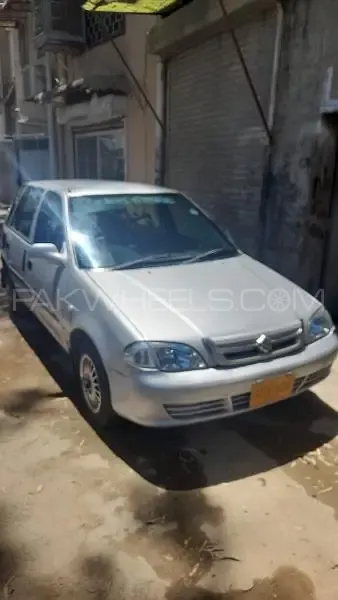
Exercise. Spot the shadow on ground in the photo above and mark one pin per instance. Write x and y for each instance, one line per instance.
(91, 576)
(195, 457)
(102, 576)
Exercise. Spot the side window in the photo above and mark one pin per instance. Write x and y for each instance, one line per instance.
(49, 227)
(23, 216)
(15, 203)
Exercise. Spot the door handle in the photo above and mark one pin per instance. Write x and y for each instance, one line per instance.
(26, 263)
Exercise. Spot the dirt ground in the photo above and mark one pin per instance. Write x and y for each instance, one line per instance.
(241, 509)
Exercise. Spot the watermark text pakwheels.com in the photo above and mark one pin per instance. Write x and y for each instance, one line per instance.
(183, 299)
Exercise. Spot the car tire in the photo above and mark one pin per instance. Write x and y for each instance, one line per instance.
(92, 381)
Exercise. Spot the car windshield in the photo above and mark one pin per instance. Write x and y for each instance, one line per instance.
(135, 230)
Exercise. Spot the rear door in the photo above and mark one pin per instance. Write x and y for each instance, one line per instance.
(17, 239)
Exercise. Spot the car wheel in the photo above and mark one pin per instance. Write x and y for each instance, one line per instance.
(93, 382)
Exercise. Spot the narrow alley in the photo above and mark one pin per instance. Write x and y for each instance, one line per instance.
(244, 508)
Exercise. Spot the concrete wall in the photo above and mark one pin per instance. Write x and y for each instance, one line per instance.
(139, 122)
(199, 20)
(35, 114)
(140, 126)
(5, 77)
(299, 188)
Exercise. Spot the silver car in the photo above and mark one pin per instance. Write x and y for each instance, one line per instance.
(166, 321)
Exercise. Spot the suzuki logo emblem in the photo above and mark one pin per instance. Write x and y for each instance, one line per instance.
(264, 344)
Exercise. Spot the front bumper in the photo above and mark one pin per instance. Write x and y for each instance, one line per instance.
(158, 399)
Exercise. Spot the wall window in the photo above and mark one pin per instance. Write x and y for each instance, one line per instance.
(100, 155)
(100, 27)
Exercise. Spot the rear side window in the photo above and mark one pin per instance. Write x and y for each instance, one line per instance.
(23, 217)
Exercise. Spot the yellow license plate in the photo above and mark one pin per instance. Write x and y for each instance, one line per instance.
(271, 390)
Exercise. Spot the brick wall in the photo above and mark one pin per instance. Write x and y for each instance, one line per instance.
(217, 145)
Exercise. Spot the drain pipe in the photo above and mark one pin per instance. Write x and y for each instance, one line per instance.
(162, 132)
(276, 63)
(51, 123)
(271, 120)
(16, 73)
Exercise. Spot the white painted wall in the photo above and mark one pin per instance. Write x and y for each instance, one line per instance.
(140, 125)
(139, 122)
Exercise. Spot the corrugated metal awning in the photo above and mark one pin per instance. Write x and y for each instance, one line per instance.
(82, 89)
(130, 6)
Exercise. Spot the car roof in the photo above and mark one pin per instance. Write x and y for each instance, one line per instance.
(82, 187)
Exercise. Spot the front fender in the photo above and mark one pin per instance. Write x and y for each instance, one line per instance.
(101, 335)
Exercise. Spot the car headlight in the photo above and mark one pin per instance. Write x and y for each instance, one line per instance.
(319, 325)
(164, 356)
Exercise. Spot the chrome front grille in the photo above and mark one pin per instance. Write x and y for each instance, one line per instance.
(236, 353)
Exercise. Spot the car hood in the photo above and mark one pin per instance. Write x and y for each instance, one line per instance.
(220, 298)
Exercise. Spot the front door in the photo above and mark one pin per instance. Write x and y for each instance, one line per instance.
(43, 276)
(18, 239)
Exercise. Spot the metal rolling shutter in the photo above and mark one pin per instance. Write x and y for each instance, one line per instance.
(216, 144)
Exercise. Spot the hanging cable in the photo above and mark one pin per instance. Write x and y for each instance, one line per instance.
(137, 83)
(246, 70)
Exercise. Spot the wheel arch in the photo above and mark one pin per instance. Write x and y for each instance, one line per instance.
(76, 336)
(79, 334)
(80, 339)
(90, 328)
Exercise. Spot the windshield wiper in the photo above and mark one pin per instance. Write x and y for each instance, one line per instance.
(210, 253)
(150, 260)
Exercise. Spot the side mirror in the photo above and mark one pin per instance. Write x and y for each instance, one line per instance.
(49, 252)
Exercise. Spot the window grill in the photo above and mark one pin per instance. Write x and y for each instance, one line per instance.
(58, 23)
(99, 26)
